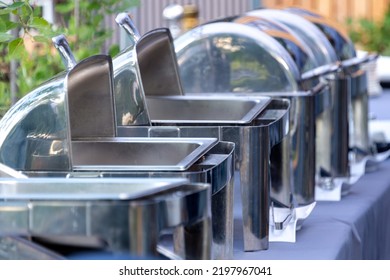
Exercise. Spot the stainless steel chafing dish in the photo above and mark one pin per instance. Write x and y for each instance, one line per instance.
(242, 60)
(360, 144)
(332, 128)
(66, 128)
(341, 128)
(253, 128)
(107, 215)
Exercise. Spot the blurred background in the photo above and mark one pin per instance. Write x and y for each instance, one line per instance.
(26, 27)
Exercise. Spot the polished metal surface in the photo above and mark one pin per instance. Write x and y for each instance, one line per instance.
(7, 172)
(231, 57)
(321, 47)
(129, 108)
(351, 81)
(20, 248)
(333, 145)
(293, 160)
(129, 93)
(337, 37)
(253, 143)
(63, 48)
(87, 83)
(155, 57)
(360, 142)
(84, 189)
(205, 110)
(126, 22)
(216, 117)
(216, 168)
(298, 49)
(52, 154)
(40, 114)
(152, 154)
(34, 207)
(333, 125)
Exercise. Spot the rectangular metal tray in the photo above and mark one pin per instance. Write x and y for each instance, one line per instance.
(84, 189)
(151, 154)
(205, 109)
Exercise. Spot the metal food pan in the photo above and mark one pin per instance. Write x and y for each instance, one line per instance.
(253, 143)
(216, 168)
(66, 210)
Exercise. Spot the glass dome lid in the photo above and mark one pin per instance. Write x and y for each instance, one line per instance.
(41, 114)
(231, 57)
(39, 128)
(308, 32)
(335, 34)
(296, 47)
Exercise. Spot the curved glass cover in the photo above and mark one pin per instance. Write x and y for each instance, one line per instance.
(337, 37)
(297, 48)
(308, 32)
(231, 57)
(35, 123)
(129, 93)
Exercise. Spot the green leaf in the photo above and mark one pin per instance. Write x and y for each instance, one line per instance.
(114, 50)
(39, 23)
(6, 25)
(5, 11)
(94, 6)
(3, 26)
(11, 25)
(16, 48)
(5, 37)
(16, 5)
(11, 8)
(65, 8)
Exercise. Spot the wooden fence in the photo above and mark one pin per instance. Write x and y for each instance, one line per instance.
(339, 10)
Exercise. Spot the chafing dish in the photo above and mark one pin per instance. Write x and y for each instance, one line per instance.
(171, 112)
(351, 81)
(105, 214)
(354, 71)
(242, 60)
(66, 128)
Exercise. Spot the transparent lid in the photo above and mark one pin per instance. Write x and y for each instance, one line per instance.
(37, 131)
(40, 114)
(231, 57)
(128, 90)
(335, 34)
(308, 32)
(297, 48)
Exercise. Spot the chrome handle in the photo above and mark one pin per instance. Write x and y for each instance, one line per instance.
(320, 71)
(281, 225)
(63, 48)
(359, 60)
(125, 21)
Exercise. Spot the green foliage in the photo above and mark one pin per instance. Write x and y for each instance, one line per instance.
(38, 61)
(370, 35)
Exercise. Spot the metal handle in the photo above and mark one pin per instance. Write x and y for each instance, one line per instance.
(125, 21)
(163, 131)
(281, 225)
(63, 48)
(359, 60)
(320, 71)
(277, 117)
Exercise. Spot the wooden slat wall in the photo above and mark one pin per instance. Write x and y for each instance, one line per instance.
(339, 10)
